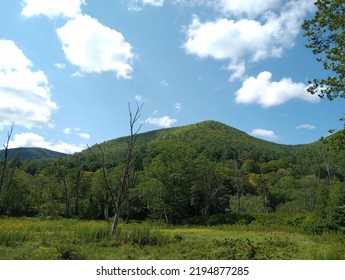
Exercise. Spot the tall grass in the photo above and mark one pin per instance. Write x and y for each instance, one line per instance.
(142, 235)
(47, 239)
(30, 238)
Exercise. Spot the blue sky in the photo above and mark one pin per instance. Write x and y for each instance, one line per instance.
(69, 68)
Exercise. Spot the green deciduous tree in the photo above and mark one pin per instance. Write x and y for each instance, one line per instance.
(170, 174)
(209, 187)
(326, 36)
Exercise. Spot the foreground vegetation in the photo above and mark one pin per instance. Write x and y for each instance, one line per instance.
(209, 190)
(32, 238)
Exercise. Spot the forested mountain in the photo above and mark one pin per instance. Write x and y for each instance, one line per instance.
(185, 174)
(214, 140)
(30, 154)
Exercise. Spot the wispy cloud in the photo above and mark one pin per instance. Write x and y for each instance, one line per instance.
(67, 130)
(178, 107)
(60, 65)
(52, 8)
(77, 75)
(164, 121)
(164, 83)
(139, 98)
(306, 126)
(84, 135)
(138, 5)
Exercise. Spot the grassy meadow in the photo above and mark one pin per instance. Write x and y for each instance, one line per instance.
(63, 239)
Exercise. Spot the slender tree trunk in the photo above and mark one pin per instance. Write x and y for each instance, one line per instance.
(238, 185)
(67, 205)
(78, 183)
(328, 169)
(264, 191)
(106, 206)
(6, 146)
(115, 222)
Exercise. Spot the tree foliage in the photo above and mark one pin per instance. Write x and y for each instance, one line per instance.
(205, 174)
(326, 36)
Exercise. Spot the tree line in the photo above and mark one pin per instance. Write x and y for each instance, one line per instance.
(177, 182)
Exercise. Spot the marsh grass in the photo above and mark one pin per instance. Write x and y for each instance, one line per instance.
(30, 238)
(141, 235)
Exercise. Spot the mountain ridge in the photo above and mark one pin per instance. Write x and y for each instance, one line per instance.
(31, 153)
(215, 140)
(198, 135)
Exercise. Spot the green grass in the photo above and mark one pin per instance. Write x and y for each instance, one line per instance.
(31, 238)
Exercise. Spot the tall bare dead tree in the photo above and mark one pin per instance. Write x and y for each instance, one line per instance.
(118, 198)
(124, 180)
(4, 167)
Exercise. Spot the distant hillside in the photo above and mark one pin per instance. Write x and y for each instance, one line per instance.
(215, 140)
(31, 154)
(179, 175)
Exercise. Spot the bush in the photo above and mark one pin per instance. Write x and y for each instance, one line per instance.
(221, 219)
(275, 220)
(52, 209)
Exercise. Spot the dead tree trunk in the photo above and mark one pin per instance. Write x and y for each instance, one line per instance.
(3, 172)
(124, 181)
(118, 199)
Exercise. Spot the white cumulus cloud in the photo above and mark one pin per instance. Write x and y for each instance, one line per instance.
(67, 130)
(164, 121)
(245, 39)
(84, 135)
(264, 133)
(138, 5)
(306, 126)
(52, 8)
(94, 47)
(24, 93)
(262, 90)
(29, 139)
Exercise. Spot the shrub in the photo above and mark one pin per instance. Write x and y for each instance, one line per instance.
(221, 219)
